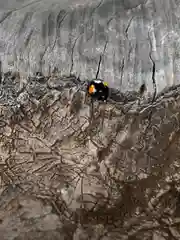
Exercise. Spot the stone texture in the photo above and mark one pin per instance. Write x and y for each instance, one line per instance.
(124, 42)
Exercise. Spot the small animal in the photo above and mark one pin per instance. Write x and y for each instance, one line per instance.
(98, 90)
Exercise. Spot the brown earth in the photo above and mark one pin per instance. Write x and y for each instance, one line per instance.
(75, 170)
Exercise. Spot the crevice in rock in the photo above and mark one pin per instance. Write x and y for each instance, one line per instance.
(100, 59)
(153, 69)
(6, 15)
(72, 56)
(59, 23)
(127, 28)
(122, 72)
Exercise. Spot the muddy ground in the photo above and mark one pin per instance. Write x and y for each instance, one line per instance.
(71, 169)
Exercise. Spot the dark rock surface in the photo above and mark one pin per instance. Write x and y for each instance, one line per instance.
(124, 42)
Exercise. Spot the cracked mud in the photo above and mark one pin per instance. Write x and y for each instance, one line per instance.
(68, 172)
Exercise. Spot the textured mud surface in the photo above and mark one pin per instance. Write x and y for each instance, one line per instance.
(73, 170)
(125, 42)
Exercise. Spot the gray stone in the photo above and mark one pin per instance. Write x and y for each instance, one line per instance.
(127, 43)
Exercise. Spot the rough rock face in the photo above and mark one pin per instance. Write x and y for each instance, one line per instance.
(125, 42)
(75, 170)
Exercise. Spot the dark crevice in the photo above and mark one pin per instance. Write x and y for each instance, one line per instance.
(122, 72)
(58, 27)
(127, 28)
(100, 60)
(123, 61)
(6, 15)
(99, 65)
(72, 56)
(126, 35)
(153, 70)
(153, 79)
(99, 4)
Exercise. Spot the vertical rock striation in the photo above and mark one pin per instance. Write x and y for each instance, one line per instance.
(125, 42)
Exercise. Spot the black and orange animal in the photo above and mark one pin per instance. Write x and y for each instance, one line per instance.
(97, 89)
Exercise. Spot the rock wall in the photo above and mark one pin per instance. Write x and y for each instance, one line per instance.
(124, 42)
